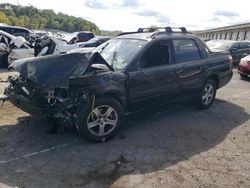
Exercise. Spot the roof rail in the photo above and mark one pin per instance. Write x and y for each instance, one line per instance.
(154, 29)
(167, 29)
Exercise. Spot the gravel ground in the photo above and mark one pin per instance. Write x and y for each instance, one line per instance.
(172, 146)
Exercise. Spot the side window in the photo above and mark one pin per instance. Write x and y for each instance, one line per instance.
(207, 49)
(7, 30)
(157, 54)
(244, 46)
(237, 46)
(186, 50)
(19, 32)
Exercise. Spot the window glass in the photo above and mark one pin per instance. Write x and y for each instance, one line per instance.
(157, 54)
(244, 45)
(186, 50)
(207, 50)
(7, 30)
(19, 32)
(236, 45)
(118, 53)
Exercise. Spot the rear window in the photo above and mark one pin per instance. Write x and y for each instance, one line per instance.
(85, 36)
(244, 45)
(20, 32)
(186, 50)
(15, 31)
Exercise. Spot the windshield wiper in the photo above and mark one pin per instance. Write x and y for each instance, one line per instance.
(114, 58)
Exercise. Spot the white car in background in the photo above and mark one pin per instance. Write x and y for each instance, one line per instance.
(13, 48)
(53, 45)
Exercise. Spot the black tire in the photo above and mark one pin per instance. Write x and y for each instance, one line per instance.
(243, 76)
(206, 98)
(85, 118)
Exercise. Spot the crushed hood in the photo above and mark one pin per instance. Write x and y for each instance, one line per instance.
(52, 70)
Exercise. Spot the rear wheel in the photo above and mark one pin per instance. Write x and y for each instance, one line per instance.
(102, 121)
(207, 94)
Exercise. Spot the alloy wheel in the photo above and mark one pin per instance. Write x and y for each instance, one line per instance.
(102, 120)
(208, 94)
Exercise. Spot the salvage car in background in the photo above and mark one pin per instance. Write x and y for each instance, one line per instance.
(16, 31)
(244, 67)
(48, 45)
(94, 42)
(87, 47)
(237, 49)
(82, 36)
(13, 48)
(128, 73)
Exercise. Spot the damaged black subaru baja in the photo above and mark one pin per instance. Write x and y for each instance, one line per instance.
(93, 91)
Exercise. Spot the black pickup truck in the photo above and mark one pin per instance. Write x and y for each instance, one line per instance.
(133, 71)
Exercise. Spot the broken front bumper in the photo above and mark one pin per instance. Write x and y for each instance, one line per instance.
(26, 104)
(64, 113)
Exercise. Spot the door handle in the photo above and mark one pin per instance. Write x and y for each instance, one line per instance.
(179, 71)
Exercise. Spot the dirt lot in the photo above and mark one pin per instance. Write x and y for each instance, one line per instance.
(172, 146)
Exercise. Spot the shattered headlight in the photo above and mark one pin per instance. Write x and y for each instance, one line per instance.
(55, 95)
(51, 98)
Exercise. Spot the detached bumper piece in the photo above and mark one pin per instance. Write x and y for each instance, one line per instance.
(4, 98)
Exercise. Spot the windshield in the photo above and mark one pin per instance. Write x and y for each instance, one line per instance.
(217, 46)
(119, 52)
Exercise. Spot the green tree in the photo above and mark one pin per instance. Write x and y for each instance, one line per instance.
(4, 18)
(34, 18)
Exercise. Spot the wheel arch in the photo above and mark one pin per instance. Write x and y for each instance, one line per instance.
(215, 78)
(119, 96)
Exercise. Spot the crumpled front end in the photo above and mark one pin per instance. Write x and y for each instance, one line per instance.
(45, 87)
(50, 102)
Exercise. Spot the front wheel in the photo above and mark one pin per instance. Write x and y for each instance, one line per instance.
(100, 121)
(207, 94)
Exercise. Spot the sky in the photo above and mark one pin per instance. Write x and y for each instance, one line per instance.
(129, 15)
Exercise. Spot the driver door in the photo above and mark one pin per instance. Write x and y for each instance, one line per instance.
(154, 82)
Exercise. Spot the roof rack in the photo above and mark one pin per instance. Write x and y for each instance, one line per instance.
(155, 29)
(167, 29)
